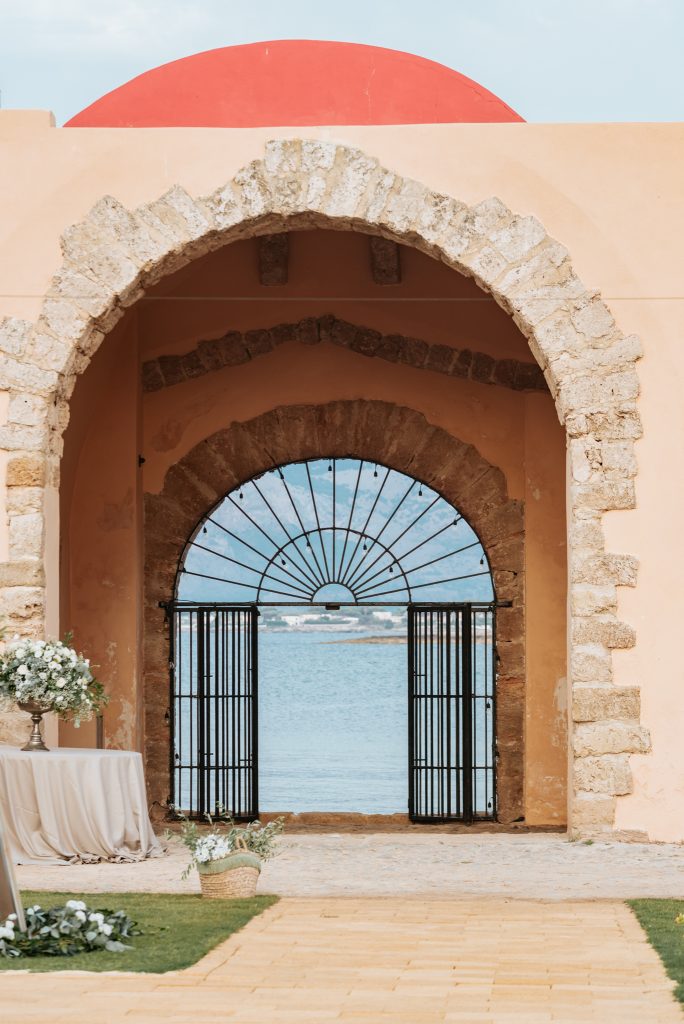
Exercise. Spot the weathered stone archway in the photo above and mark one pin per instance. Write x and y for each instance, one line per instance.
(114, 254)
(394, 436)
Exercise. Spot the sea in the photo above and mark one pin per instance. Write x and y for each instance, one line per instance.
(332, 723)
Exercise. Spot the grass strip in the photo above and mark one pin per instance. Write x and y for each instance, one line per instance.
(657, 918)
(177, 930)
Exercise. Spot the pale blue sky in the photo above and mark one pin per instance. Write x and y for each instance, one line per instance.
(552, 60)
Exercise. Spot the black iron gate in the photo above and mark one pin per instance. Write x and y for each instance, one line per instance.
(214, 681)
(452, 675)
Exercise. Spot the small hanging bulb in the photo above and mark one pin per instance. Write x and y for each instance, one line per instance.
(391, 568)
(204, 530)
(283, 562)
(420, 490)
(329, 466)
(482, 560)
(375, 472)
(365, 545)
(241, 495)
(308, 543)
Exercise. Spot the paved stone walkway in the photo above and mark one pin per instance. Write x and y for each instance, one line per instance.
(528, 866)
(374, 960)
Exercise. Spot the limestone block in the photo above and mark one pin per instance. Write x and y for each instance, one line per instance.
(284, 156)
(620, 570)
(62, 324)
(593, 319)
(26, 536)
(395, 209)
(438, 217)
(26, 470)
(26, 377)
(607, 773)
(24, 499)
(591, 663)
(30, 410)
(14, 335)
(606, 424)
(604, 494)
(587, 599)
(619, 457)
(352, 187)
(253, 189)
(592, 809)
(25, 573)
(610, 737)
(605, 630)
(485, 264)
(21, 602)
(598, 703)
(18, 437)
(517, 238)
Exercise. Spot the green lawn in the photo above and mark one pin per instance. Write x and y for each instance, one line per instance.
(657, 918)
(191, 927)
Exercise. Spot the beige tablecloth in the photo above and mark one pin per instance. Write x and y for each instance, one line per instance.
(68, 805)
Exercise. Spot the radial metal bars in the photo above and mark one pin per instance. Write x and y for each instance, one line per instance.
(214, 681)
(451, 678)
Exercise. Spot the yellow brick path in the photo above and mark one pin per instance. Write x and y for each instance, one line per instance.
(405, 961)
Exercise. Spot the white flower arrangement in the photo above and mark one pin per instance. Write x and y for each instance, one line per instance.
(52, 675)
(227, 837)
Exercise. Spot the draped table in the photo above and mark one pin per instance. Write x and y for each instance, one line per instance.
(69, 805)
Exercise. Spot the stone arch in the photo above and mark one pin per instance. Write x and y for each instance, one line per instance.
(115, 253)
(395, 436)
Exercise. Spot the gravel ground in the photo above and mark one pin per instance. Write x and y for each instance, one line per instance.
(526, 867)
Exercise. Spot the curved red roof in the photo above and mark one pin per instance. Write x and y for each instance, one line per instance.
(295, 83)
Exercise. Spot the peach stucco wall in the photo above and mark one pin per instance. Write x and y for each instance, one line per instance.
(611, 193)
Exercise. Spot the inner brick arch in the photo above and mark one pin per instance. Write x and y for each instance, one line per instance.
(114, 254)
(395, 436)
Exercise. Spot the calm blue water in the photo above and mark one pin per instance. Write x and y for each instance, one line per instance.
(332, 724)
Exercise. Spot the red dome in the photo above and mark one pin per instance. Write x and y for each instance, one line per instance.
(295, 83)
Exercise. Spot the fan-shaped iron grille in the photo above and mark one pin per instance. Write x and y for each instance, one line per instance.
(342, 531)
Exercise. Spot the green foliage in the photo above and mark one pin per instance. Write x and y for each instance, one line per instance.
(66, 930)
(174, 931)
(225, 837)
(661, 920)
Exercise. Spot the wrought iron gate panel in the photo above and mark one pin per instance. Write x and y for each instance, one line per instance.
(452, 676)
(214, 682)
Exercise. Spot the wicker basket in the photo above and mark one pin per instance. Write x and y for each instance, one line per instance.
(233, 877)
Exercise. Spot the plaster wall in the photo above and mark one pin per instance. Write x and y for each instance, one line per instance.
(611, 193)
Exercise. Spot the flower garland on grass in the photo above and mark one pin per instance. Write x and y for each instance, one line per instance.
(51, 674)
(66, 931)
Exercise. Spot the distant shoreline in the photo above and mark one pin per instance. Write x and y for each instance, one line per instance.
(369, 640)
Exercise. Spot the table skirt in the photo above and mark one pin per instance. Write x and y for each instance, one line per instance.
(68, 805)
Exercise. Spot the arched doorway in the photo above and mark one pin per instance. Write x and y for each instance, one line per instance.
(301, 184)
(332, 533)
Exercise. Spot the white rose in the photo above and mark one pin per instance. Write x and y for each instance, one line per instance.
(61, 682)
(106, 929)
(79, 915)
(22, 670)
(6, 933)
